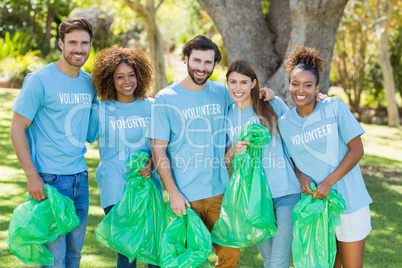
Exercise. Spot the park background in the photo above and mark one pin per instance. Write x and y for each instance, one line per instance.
(360, 40)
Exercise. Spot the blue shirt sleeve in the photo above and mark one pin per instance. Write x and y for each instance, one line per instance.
(349, 127)
(93, 128)
(31, 97)
(279, 106)
(160, 121)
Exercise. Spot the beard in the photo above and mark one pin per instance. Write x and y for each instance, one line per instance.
(198, 81)
(76, 62)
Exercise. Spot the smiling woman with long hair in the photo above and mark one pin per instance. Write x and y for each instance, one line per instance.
(244, 88)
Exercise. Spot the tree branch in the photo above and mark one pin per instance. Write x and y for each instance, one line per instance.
(137, 7)
(366, 4)
(158, 5)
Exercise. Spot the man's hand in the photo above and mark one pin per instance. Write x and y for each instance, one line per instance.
(267, 94)
(178, 204)
(147, 170)
(35, 186)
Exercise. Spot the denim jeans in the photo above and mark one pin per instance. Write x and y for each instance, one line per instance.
(66, 249)
(123, 261)
(275, 252)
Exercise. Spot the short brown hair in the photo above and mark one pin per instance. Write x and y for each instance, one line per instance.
(71, 24)
(106, 63)
(201, 42)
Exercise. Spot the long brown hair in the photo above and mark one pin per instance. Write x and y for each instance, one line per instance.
(263, 109)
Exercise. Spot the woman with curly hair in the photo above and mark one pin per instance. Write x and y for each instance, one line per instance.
(323, 140)
(123, 78)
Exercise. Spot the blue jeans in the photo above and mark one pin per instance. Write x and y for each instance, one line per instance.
(66, 249)
(123, 261)
(275, 252)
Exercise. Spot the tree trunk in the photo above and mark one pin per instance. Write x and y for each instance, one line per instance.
(389, 83)
(155, 40)
(314, 24)
(51, 12)
(382, 32)
(247, 35)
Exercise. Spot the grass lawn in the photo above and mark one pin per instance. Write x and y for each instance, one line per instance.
(381, 167)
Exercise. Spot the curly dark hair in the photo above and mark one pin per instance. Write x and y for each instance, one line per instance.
(106, 63)
(305, 58)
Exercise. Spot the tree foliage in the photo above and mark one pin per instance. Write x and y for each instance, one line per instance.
(37, 18)
(361, 47)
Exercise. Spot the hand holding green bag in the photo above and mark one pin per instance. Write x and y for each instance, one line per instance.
(186, 242)
(314, 222)
(35, 223)
(135, 225)
(247, 214)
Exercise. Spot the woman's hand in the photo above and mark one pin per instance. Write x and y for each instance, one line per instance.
(239, 145)
(305, 184)
(320, 96)
(322, 190)
(147, 170)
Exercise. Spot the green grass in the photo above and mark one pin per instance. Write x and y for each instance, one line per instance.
(381, 167)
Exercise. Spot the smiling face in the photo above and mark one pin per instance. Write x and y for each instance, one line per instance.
(303, 88)
(200, 65)
(125, 82)
(76, 47)
(240, 87)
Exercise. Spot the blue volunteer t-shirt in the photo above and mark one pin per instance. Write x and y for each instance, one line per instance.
(120, 129)
(193, 122)
(277, 166)
(318, 143)
(59, 108)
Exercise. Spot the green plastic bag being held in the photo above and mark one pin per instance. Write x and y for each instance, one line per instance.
(247, 214)
(35, 223)
(314, 222)
(186, 242)
(135, 225)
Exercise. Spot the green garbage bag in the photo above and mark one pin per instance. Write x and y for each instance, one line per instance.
(35, 223)
(186, 242)
(247, 214)
(135, 225)
(314, 222)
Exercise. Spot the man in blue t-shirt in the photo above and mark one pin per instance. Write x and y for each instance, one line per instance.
(49, 129)
(188, 132)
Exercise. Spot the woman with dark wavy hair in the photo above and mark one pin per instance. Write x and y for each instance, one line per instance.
(123, 78)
